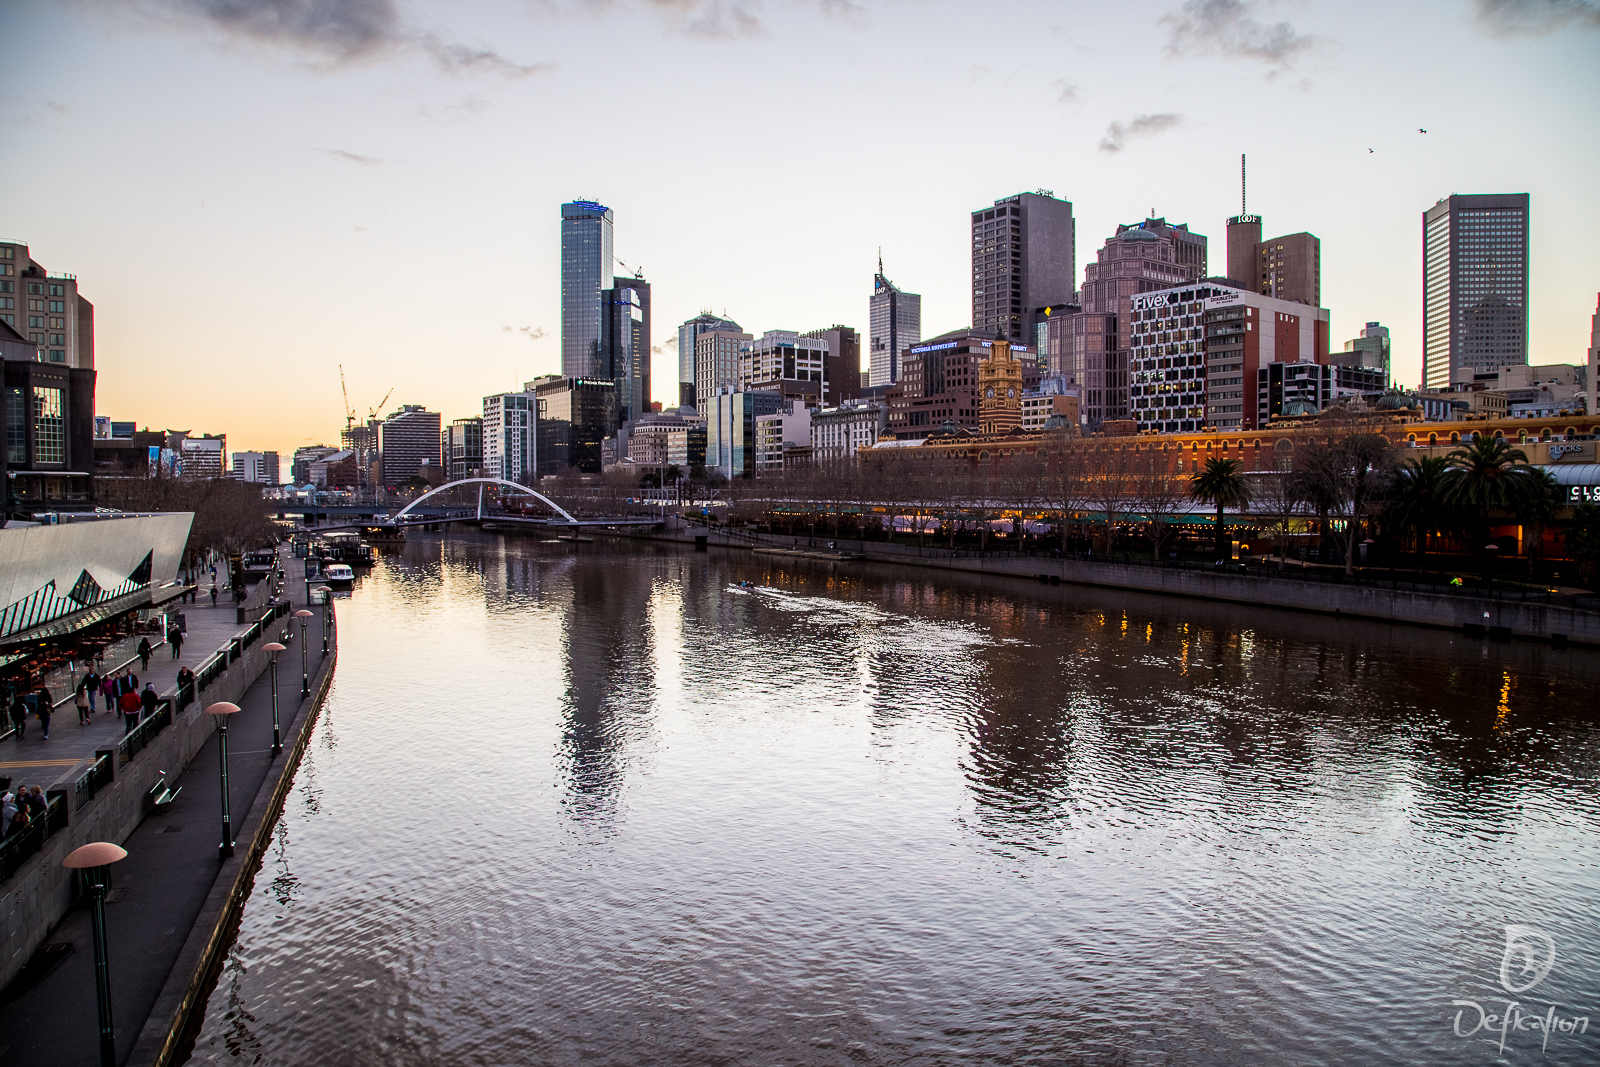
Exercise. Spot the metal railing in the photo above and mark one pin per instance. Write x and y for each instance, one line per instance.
(136, 739)
(96, 778)
(211, 669)
(21, 845)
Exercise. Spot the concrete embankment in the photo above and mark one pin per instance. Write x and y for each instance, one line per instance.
(1476, 616)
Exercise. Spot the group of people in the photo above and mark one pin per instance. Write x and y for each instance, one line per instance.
(122, 694)
(19, 810)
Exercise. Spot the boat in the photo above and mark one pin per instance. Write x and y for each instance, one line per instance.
(576, 540)
(348, 548)
(339, 576)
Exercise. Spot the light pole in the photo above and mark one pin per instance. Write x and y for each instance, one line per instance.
(222, 709)
(274, 648)
(305, 668)
(94, 859)
(327, 614)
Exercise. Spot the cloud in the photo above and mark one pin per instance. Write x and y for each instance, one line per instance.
(1118, 134)
(533, 333)
(351, 157)
(1535, 18)
(26, 111)
(1227, 28)
(1066, 92)
(460, 111)
(329, 33)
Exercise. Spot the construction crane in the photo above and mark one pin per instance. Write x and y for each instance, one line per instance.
(638, 272)
(349, 412)
(372, 413)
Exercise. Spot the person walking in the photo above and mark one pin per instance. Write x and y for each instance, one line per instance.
(38, 805)
(19, 716)
(175, 639)
(213, 593)
(108, 689)
(80, 700)
(148, 701)
(91, 686)
(144, 653)
(129, 703)
(44, 709)
(8, 812)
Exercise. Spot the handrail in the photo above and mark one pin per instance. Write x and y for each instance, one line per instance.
(140, 736)
(19, 847)
(91, 781)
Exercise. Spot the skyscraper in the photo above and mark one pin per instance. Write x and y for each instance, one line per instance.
(1474, 287)
(1593, 381)
(1370, 350)
(1023, 259)
(895, 324)
(585, 272)
(701, 323)
(625, 347)
(1287, 267)
(407, 440)
(508, 436)
(45, 308)
(1090, 347)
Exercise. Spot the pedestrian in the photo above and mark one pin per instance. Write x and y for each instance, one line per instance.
(213, 593)
(108, 689)
(185, 682)
(19, 716)
(148, 699)
(129, 703)
(144, 653)
(80, 700)
(91, 686)
(19, 816)
(175, 639)
(8, 812)
(44, 709)
(38, 805)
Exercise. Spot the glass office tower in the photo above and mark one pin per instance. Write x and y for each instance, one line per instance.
(894, 325)
(1474, 287)
(585, 275)
(627, 346)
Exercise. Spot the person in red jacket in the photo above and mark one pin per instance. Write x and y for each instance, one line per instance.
(130, 704)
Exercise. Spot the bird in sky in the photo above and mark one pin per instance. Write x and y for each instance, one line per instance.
(1421, 130)
(1369, 151)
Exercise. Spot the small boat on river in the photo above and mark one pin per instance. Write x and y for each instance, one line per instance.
(339, 576)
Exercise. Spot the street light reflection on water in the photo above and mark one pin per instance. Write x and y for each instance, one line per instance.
(607, 805)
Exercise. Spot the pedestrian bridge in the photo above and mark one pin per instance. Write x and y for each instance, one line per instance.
(415, 514)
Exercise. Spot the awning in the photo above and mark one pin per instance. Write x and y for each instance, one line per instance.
(78, 620)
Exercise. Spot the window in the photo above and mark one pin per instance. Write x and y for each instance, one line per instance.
(57, 306)
(58, 290)
(16, 427)
(35, 289)
(58, 355)
(49, 426)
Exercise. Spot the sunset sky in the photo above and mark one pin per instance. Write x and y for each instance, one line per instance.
(253, 194)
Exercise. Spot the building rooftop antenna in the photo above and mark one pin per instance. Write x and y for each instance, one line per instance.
(1242, 210)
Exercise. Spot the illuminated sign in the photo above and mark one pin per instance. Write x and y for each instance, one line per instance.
(1583, 494)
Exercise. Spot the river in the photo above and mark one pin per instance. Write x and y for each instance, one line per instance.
(603, 804)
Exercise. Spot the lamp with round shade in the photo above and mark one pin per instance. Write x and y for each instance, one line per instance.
(222, 709)
(273, 648)
(305, 667)
(93, 860)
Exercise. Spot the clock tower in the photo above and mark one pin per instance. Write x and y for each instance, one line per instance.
(999, 391)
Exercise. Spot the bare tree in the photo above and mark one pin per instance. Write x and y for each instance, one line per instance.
(1112, 481)
(1161, 494)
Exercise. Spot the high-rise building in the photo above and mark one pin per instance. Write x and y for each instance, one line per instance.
(574, 416)
(894, 324)
(1089, 346)
(701, 323)
(716, 362)
(939, 383)
(841, 371)
(205, 456)
(1287, 267)
(304, 457)
(47, 427)
(1474, 287)
(625, 348)
(1370, 350)
(731, 430)
(407, 439)
(784, 362)
(1592, 382)
(510, 436)
(46, 309)
(461, 449)
(1024, 259)
(586, 263)
(258, 467)
(1196, 351)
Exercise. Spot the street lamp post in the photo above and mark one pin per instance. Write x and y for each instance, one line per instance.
(327, 614)
(222, 709)
(305, 668)
(274, 648)
(94, 859)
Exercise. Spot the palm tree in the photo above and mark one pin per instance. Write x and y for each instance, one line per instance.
(1545, 501)
(1488, 475)
(1220, 483)
(1417, 504)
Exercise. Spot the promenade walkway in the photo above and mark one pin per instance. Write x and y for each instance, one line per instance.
(168, 896)
(32, 759)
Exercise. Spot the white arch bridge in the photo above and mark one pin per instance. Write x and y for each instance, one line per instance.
(560, 516)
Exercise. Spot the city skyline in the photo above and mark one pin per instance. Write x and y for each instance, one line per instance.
(297, 216)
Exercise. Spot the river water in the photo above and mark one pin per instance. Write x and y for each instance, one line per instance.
(603, 805)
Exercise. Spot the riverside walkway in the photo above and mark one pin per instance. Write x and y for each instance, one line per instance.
(173, 898)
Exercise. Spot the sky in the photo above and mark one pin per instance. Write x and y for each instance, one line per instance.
(256, 193)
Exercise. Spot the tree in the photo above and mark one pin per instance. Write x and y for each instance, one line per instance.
(1485, 476)
(1279, 493)
(1419, 506)
(1220, 483)
(229, 516)
(1161, 495)
(1111, 483)
(1583, 540)
(1545, 501)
